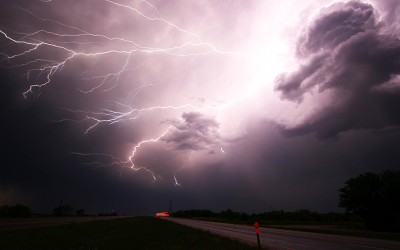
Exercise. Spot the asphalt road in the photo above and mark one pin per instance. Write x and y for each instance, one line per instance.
(12, 224)
(290, 240)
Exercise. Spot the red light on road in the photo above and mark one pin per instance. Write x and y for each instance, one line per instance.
(257, 230)
(162, 214)
(256, 224)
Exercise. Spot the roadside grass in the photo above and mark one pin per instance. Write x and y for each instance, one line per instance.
(127, 233)
(368, 234)
(352, 225)
(340, 225)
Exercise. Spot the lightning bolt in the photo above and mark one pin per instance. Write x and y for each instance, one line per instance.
(124, 164)
(183, 165)
(52, 68)
(49, 68)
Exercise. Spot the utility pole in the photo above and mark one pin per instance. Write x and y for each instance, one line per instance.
(170, 207)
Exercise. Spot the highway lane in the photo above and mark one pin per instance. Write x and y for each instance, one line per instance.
(12, 224)
(290, 240)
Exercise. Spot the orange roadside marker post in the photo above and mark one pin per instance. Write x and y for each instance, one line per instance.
(258, 236)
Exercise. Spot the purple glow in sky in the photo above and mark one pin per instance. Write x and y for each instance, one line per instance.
(178, 95)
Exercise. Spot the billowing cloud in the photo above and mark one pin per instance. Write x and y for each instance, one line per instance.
(345, 54)
(195, 131)
(334, 25)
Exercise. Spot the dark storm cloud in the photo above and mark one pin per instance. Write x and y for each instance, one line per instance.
(335, 25)
(290, 85)
(195, 131)
(346, 54)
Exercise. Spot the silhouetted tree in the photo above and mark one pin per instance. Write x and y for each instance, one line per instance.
(244, 216)
(4, 211)
(375, 197)
(229, 214)
(63, 210)
(80, 212)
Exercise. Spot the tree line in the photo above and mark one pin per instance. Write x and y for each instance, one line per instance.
(67, 209)
(280, 215)
(21, 211)
(17, 211)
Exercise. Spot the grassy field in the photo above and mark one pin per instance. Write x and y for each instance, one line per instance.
(127, 233)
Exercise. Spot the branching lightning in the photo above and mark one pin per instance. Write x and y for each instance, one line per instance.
(123, 164)
(49, 68)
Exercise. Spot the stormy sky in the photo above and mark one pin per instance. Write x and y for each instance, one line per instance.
(212, 104)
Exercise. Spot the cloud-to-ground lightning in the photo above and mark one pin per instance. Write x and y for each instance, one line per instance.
(129, 163)
(183, 165)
